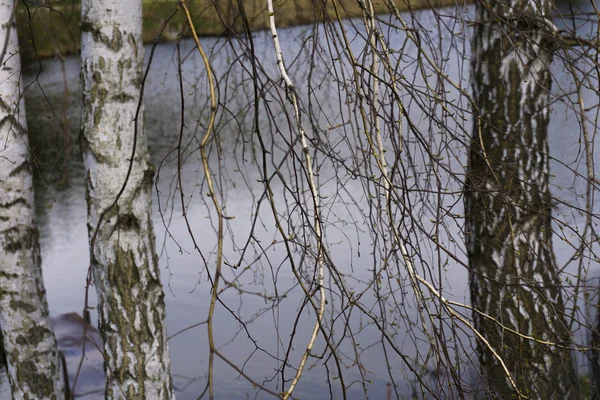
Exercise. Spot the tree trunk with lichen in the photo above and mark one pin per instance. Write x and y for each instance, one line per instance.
(513, 274)
(30, 346)
(125, 269)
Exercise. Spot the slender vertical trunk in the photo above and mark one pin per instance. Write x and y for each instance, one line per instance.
(125, 267)
(595, 357)
(31, 352)
(514, 278)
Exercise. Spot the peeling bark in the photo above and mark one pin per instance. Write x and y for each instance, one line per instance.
(513, 272)
(125, 267)
(30, 345)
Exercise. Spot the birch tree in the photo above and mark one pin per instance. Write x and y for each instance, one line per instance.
(514, 278)
(119, 181)
(30, 345)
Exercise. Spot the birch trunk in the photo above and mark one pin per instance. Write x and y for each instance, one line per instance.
(125, 267)
(31, 352)
(594, 359)
(514, 277)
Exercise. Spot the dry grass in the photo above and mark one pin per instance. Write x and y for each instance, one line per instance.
(47, 31)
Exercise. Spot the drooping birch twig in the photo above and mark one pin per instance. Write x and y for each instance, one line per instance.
(314, 194)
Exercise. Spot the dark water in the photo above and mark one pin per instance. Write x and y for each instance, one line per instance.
(61, 212)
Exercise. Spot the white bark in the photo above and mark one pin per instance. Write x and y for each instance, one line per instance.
(125, 267)
(514, 277)
(31, 352)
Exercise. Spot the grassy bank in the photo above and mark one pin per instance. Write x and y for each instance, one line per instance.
(54, 27)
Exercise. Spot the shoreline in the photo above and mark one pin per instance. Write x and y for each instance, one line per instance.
(53, 29)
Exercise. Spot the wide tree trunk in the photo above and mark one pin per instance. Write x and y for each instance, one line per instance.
(31, 352)
(513, 273)
(125, 267)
